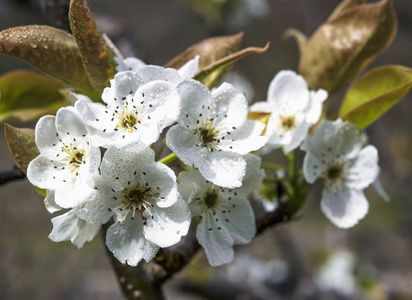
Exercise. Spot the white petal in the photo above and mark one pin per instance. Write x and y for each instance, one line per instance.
(121, 85)
(288, 89)
(191, 185)
(379, 189)
(122, 162)
(94, 115)
(240, 222)
(222, 168)
(344, 207)
(195, 99)
(41, 173)
(69, 227)
(168, 224)
(334, 140)
(94, 209)
(129, 64)
(254, 175)
(245, 139)
(314, 109)
(74, 97)
(73, 194)
(46, 137)
(217, 244)
(50, 203)
(160, 175)
(365, 169)
(127, 242)
(231, 105)
(189, 69)
(151, 73)
(298, 136)
(183, 143)
(68, 122)
(262, 106)
(161, 103)
(312, 168)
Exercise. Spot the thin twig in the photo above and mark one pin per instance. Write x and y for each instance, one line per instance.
(10, 175)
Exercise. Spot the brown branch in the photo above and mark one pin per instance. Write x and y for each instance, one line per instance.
(140, 282)
(10, 175)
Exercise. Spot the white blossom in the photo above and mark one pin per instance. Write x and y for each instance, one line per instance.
(142, 197)
(226, 215)
(335, 154)
(253, 184)
(294, 109)
(187, 71)
(71, 226)
(138, 107)
(67, 159)
(213, 132)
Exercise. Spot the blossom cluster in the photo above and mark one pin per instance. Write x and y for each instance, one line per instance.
(97, 162)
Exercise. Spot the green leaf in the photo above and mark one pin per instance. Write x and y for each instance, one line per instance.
(343, 46)
(213, 74)
(210, 51)
(26, 96)
(97, 59)
(375, 93)
(50, 50)
(23, 147)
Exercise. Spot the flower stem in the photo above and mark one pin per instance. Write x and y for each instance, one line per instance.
(171, 158)
(159, 152)
(292, 164)
(269, 179)
(271, 166)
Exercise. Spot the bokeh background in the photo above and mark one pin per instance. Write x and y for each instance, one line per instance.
(308, 258)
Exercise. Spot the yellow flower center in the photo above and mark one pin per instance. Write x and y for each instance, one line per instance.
(288, 122)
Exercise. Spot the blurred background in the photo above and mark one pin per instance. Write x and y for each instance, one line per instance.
(306, 259)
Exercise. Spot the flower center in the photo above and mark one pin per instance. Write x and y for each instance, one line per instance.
(211, 199)
(75, 157)
(334, 174)
(138, 198)
(208, 135)
(287, 122)
(128, 119)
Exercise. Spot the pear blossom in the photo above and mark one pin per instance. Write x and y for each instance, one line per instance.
(294, 109)
(138, 107)
(67, 159)
(335, 154)
(72, 225)
(187, 71)
(253, 184)
(142, 197)
(213, 132)
(226, 215)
